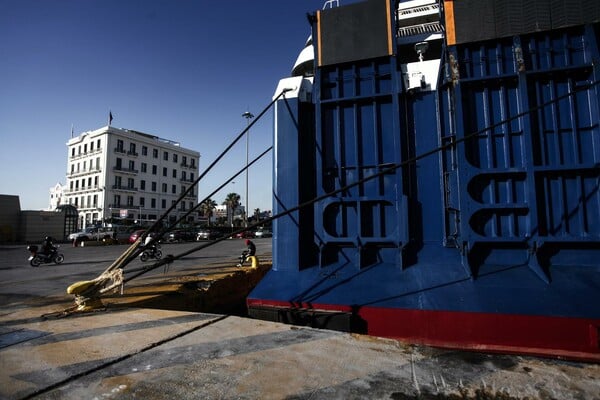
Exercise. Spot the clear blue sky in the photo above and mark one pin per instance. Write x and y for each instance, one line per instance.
(183, 70)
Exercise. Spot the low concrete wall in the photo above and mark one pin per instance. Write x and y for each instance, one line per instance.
(10, 210)
(35, 225)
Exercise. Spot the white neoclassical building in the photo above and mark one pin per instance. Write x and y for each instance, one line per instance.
(115, 174)
(56, 196)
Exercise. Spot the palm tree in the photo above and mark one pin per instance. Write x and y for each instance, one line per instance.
(207, 207)
(256, 215)
(232, 201)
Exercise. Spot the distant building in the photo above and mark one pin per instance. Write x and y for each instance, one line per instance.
(221, 211)
(119, 174)
(56, 196)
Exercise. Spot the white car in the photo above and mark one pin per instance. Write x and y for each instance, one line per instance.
(92, 233)
(263, 233)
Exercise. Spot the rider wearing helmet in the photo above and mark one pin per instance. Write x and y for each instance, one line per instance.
(250, 251)
(47, 245)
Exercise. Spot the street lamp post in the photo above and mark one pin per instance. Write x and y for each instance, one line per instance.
(248, 115)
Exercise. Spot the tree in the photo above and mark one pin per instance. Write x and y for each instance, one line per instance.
(232, 201)
(207, 207)
(256, 214)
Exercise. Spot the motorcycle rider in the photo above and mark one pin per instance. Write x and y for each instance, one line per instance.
(47, 246)
(150, 247)
(249, 252)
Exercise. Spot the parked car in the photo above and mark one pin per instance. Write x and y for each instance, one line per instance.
(244, 235)
(92, 233)
(135, 235)
(123, 232)
(181, 236)
(263, 233)
(207, 234)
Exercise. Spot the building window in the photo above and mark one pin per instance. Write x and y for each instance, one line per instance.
(132, 149)
(193, 162)
(95, 204)
(174, 189)
(154, 186)
(117, 182)
(143, 185)
(166, 156)
(164, 203)
(98, 144)
(154, 170)
(142, 202)
(117, 200)
(174, 157)
(174, 173)
(164, 171)
(92, 146)
(84, 148)
(155, 153)
(130, 183)
(191, 177)
(183, 175)
(152, 203)
(184, 161)
(131, 165)
(144, 150)
(144, 167)
(129, 201)
(120, 146)
(73, 152)
(164, 188)
(96, 181)
(119, 165)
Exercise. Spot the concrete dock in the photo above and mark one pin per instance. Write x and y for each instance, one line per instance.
(132, 349)
(161, 354)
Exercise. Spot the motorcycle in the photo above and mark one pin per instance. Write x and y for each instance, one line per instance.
(36, 258)
(151, 252)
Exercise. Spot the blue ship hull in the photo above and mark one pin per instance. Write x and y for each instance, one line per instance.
(457, 180)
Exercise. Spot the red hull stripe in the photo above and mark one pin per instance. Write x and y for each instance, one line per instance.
(561, 337)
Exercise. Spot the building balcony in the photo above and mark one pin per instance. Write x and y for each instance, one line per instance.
(82, 189)
(132, 153)
(89, 207)
(125, 170)
(87, 153)
(85, 171)
(124, 188)
(120, 150)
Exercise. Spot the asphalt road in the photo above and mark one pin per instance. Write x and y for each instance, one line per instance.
(20, 282)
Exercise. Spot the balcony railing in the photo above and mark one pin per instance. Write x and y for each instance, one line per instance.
(125, 170)
(87, 153)
(84, 171)
(125, 188)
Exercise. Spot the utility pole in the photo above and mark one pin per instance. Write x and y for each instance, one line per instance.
(248, 115)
